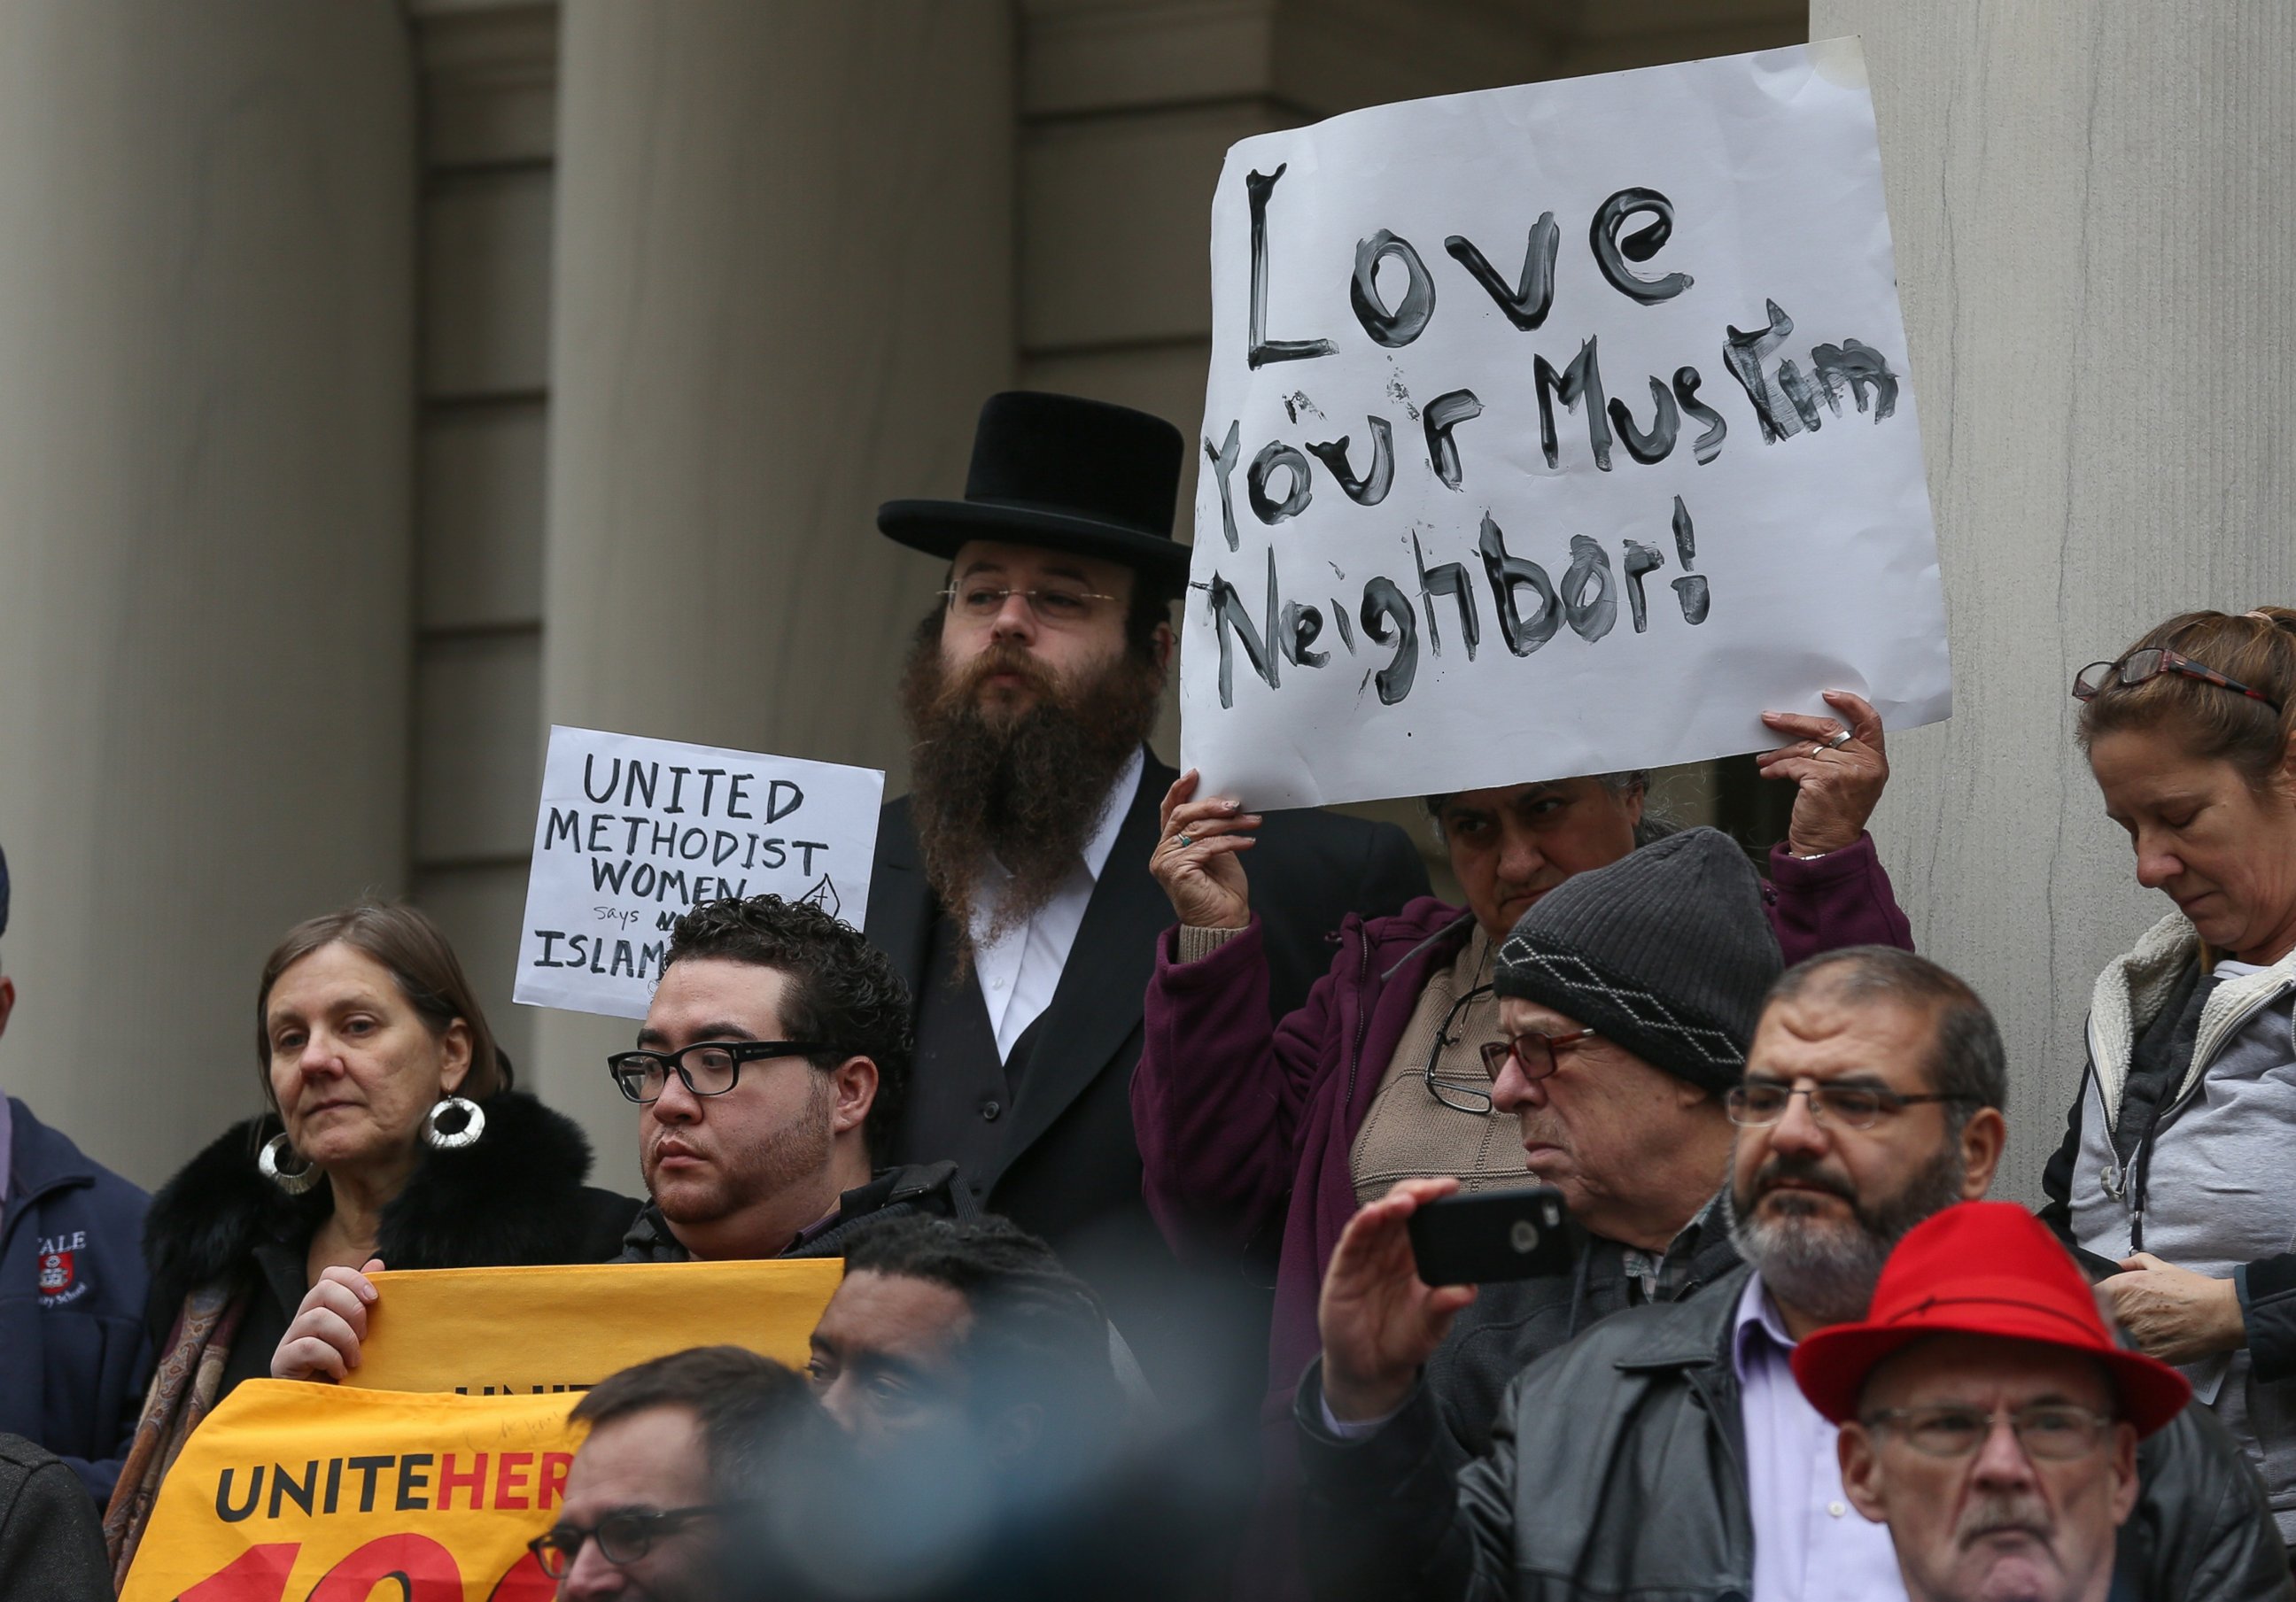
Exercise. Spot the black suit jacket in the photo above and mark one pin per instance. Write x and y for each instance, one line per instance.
(1066, 1164)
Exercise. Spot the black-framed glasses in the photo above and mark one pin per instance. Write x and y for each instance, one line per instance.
(1450, 1092)
(981, 601)
(2053, 1432)
(710, 1068)
(1532, 1052)
(1759, 1103)
(622, 1537)
(2151, 662)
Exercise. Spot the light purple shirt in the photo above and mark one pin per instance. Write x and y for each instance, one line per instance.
(1810, 1545)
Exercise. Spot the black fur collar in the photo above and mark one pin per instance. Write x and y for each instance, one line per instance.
(513, 1198)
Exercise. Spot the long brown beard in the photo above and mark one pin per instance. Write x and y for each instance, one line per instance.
(1025, 789)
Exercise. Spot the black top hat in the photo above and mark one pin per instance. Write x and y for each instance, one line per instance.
(1056, 470)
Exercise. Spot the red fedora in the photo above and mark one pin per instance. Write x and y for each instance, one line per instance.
(1982, 1268)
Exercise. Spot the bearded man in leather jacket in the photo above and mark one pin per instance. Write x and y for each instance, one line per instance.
(1668, 1452)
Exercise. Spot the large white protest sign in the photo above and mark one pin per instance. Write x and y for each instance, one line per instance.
(1552, 430)
(634, 832)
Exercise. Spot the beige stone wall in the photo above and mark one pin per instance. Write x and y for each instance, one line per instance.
(489, 78)
(785, 282)
(206, 326)
(2094, 242)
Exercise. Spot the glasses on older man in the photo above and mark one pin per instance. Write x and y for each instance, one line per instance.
(710, 1068)
(2151, 662)
(1532, 1053)
(979, 601)
(2049, 1431)
(1760, 1102)
(622, 1537)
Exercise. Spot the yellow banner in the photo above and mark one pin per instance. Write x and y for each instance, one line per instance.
(298, 1493)
(520, 1331)
(295, 1492)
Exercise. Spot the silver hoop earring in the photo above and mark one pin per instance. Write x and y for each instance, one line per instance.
(294, 1181)
(474, 1124)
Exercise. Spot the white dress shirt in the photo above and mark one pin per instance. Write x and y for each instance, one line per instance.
(1019, 969)
(1810, 1545)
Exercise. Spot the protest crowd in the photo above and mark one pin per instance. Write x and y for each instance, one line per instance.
(1123, 1112)
(1196, 1204)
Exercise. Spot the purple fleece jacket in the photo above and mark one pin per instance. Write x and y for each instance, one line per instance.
(1242, 1125)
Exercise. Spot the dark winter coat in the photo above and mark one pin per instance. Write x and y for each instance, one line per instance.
(74, 1358)
(1618, 1469)
(930, 1190)
(51, 1547)
(516, 1197)
(1062, 1159)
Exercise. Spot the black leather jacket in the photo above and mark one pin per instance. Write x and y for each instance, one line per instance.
(1616, 1469)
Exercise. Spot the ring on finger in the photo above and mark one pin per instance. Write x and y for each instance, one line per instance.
(1840, 739)
(1182, 841)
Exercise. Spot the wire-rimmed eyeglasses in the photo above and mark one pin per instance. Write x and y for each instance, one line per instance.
(2049, 1431)
(1759, 1103)
(982, 601)
(1450, 1092)
(708, 1067)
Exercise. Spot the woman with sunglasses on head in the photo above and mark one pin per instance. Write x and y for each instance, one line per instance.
(1254, 1132)
(2174, 1181)
(392, 1138)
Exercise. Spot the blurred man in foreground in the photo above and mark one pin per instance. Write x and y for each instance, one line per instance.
(677, 1446)
(990, 1400)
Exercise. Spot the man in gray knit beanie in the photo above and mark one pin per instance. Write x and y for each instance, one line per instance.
(1629, 996)
(1666, 952)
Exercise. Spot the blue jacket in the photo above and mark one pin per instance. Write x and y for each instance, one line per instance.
(75, 1357)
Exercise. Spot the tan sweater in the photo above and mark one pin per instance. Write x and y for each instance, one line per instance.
(1408, 1133)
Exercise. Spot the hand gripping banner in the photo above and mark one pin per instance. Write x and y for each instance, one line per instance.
(448, 1450)
(319, 1494)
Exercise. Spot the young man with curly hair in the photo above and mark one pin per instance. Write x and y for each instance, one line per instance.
(770, 1066)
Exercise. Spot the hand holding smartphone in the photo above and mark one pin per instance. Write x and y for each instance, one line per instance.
(1491, 1236)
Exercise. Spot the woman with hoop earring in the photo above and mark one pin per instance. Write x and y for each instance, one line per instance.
(393, 1138)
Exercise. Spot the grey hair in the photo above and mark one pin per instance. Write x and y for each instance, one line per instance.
(1655, 824)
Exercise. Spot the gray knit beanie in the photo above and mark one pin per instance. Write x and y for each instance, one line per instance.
(1667, 952)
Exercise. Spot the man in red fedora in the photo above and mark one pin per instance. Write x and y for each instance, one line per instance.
(1987, 1415)
(1012, 888)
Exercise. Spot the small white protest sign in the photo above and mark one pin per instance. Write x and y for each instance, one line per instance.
(1554, 430)
(634, 832)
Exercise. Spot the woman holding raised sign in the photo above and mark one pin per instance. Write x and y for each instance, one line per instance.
(1248, 1132)
(2173, 1181)
(393, 1134)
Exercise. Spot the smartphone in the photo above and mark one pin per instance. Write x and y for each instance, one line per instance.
(1490, 1236)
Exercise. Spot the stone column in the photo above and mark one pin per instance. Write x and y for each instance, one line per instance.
(784, 277)
(2100, 292)
(206, 332)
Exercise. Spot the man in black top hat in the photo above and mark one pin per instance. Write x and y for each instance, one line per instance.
(1011, 886)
